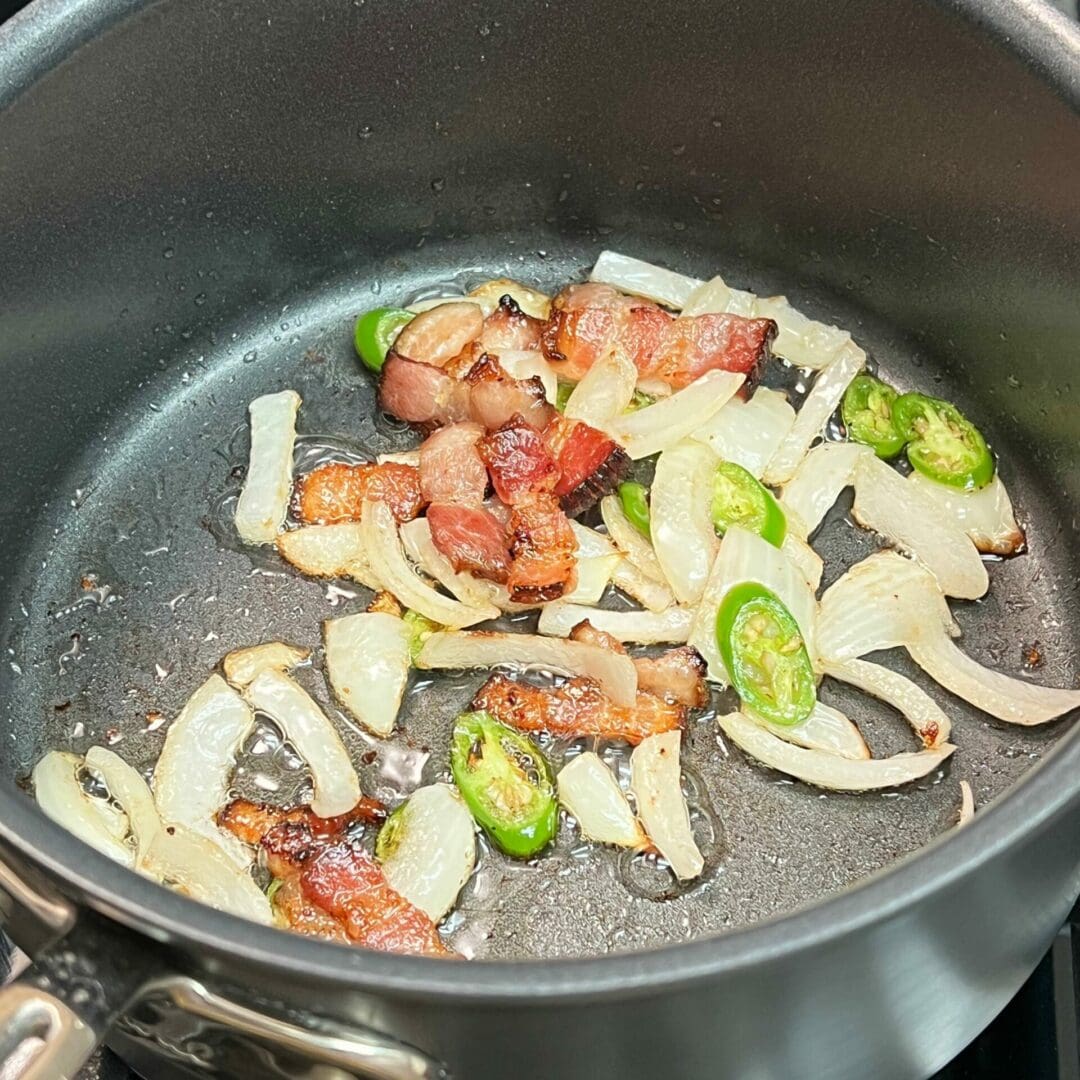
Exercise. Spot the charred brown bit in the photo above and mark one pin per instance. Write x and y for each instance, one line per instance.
(251, 821)
(435, 337)
(543, 559)
(518, 460)
(1031, 656)
(677, 675)
(496, 397)
(591, 464)
(508, 327)
(335, 493)
(575, 709)
(472, 538)
(386, 604)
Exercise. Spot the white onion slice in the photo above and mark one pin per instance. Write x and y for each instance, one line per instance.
(306, 726)
(826, 729)
(886, 503)
(127, 787)
(640, 278)
(329, 551)
(94, 821)
(680, 506)
(818, 481)
(808, 561)
(367, 664)
(879, 603)
(593, 578)
(820, 404)
(242, 665)
(825, 770)
(264, 500)
(459, 650)
(605, 391)
(428, 849)
(644, 627)
(638, 550)
(917, 706)
(1013, 700)
(416, 536)
(967, 804)
(801, 341)
(528, 364)
(196, 866)
(403, 457)
(648, 592)
(656, 781)
(531, 301)
(667, 422)
(589, 791)
(748, 432)
(715, 296)
(986, 515)
(383, 547)
(418, 307)
(194, 770)
(744, 556)
(592, 543)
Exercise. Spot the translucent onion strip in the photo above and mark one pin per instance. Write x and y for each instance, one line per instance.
(826, 729)
(643, 627)
(640, 278)
(636, 547)
(825, 770)
(264, 500)
(967, 804)
(749, 432)
(821, 476)
(801, 341)
(820, 404)
(614, 672)
(605, 391)
(306, 726)
(648, 592)
(589, 791)
(329, 551)
(128, 788)
(804, 557)
(715, 295)
(986, 515)
(242, 665)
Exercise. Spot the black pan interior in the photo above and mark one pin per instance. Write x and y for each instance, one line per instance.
(198, 204)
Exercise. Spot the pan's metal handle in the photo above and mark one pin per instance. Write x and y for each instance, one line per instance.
(40, 1037)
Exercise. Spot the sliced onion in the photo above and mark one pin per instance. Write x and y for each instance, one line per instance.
(242, 665)
(404, 457)
(593, 578)
(827, 770)
(383, 548)
(197, 866)
(655, 387)
(818, 481)
(416, 536)
(907, 517)
(801, 341)
(808, 561)
(715, 296)
(264, 500)
(660, 426)
(605, 391)
(656, 781)
(748, 432)
(194, 770)
(639, 278)
(531, 301)
(329, 551)
(459, 650)
(680, 505)
(589, 791)
(592, 543)
(1013, 700)
(986, 515)
(428, 849)
(918, 707)
(637, 549)
(94, 821)
(418, 307)
(528, 364)
(367, 663)
(645, 590)
(826, 729)
(306, 726)
(128, 788)
(879, 603)
(967, 804)
(644, 627)
(820, 404)
(744, 556)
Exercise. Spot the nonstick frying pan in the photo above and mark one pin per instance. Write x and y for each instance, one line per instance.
(197, 199)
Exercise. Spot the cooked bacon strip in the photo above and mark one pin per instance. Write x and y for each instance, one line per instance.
(677, 675)
(437, 336)
(304, 917)
(587, 320)
(472, 538)
(577, 708)
(421, 394)
(451, 470)
(336, 492)
(591, 464)
(587, 634)
(542, 551)
(508, 327)
(250, 821)
(518, 460)
(496, 397)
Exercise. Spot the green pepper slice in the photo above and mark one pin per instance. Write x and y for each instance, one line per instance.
(740, 499)
(420, 628)
(634, 498)
(942, 443)
(562, 394)
(506, 783)
(867, 412)
(765, 656)
(376, 331)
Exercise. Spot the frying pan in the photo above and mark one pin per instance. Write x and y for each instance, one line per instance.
(195, 201)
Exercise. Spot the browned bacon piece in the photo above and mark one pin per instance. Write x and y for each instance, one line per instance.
(451, 470)
(677, 675)
(518, 460)
(472, 538)
(495, 397)
(591, 464)
(336, 492)
(508, 327)
(421, 394)
(251, 821)
(543, 560)
(435, 337)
